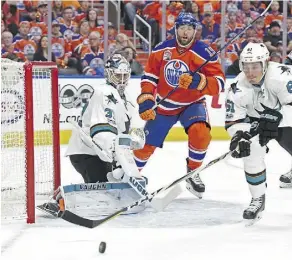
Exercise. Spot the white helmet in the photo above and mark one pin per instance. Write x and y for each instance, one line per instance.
(255, 52)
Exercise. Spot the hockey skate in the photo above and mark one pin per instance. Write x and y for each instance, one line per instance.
(286, 180)
(52, 208)
(196, 186)
(254, 211)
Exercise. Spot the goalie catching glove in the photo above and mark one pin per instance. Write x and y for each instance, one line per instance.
(240, 144)
(146, 102)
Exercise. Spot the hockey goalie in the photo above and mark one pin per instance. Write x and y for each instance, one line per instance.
(100, 149)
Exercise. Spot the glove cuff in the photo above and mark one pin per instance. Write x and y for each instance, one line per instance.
(145, 96)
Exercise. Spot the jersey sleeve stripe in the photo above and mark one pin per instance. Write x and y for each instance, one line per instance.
(98, 128)
(146, 78)
(151, 75)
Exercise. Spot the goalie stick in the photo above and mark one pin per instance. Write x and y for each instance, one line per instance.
(217, 52)
(77, 220)
(89, 223)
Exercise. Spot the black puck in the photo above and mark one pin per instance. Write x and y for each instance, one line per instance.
(102, 247)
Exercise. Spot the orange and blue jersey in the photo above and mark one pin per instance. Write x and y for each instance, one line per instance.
(165, 65)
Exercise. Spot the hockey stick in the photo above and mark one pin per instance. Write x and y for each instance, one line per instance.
(77, 220)
(216, 53)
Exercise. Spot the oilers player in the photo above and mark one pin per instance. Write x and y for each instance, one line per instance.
(260, 99)
(168, 66)
(106, 119)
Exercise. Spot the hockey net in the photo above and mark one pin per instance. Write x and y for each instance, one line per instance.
(30, 150)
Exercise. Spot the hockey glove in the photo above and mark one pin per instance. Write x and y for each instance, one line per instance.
(240, 144)
(197, 81)
(268, 124)
(146, 101)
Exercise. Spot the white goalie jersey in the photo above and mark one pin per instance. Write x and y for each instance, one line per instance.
(244, 100)
(104, 117)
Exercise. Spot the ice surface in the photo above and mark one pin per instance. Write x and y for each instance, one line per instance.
(189, 228)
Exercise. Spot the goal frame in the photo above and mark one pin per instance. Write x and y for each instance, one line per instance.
(29, 133)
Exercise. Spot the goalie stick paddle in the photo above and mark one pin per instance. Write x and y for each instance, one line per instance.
(216, 53)
(78, 220)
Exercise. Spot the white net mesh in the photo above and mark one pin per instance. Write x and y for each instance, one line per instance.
(13, 142)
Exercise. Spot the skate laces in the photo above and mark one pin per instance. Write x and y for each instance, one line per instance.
(255, 203)
(197, 179)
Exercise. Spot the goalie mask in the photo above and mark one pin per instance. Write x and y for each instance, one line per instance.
(118, 72)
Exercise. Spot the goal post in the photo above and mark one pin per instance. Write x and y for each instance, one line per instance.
(30, 146)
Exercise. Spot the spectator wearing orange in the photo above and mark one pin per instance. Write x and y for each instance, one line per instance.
(41, 53)
(37, 28)
(233, 28)
(60, 47)
(92, 18)
(274, 15)
(203, 5)
(67, 26)
(245, 15)
(260, 27)
(150, 11)
(8, 46)
(10, 12)
(172, 11)
(80, 41)
(81, 12)
(92, 56)
(74, 4)
(210, 29)
(22, 41)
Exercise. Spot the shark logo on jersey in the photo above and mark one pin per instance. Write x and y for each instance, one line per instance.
(172, 71)
(111, 98)
(234, 87)
(285, 69)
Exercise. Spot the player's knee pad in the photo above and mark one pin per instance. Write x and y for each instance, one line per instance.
(199, 140)
(141, 156)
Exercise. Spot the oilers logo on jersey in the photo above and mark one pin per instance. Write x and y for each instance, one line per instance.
(172, 71)
(58, 50)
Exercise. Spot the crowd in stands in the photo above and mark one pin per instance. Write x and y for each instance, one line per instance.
(78, 30)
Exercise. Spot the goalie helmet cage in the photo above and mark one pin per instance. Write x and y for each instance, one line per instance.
(30, 141)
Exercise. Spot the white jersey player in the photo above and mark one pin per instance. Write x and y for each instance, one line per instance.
(107, 115)
(259, 101)
(100, 145)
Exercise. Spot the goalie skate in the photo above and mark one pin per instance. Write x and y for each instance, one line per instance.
(51, 208)
(286, 180)
(254, 211)
(196, 186)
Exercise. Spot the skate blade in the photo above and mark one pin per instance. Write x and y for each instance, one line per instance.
(47, 211)
(251, 222)
(285, 185)
(196, 193)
